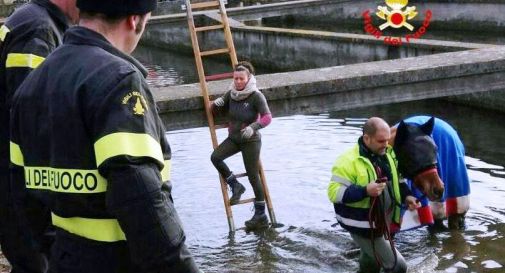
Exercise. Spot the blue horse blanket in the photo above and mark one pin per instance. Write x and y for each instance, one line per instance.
(451, 169)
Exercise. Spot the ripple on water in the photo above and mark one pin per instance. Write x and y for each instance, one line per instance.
(490, 264)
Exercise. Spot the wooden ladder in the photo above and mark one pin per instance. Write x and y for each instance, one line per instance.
(230, 50)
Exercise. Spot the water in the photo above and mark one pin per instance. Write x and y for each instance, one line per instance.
(298, 153)
(167, 68)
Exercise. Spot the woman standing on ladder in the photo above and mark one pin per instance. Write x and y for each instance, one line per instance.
(247, 112)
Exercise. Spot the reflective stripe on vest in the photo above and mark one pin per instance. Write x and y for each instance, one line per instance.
(104, 230)
(341, 184)
(16, 154)
(165, 172)
(64, 180)
(341, 180)
(23, 60)
(138, 145)
(353, 223)
(340, 194)
(3, 32)
(396, 186)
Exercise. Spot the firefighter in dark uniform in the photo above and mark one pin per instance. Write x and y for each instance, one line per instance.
(26, 38)
(86, 135)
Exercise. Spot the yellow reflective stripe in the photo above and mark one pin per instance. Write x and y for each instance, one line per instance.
(23, 60)
(396, 186)
(64, 180)
(165, 172)
(104, 230)
(3, 32)
(131, 144)
(16, 154)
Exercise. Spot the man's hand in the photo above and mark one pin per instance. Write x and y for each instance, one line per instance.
(383, 180)
(412, 202)
(375, 189)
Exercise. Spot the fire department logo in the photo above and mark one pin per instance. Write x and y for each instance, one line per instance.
(396, 17)
(397, 13)
(136, 101)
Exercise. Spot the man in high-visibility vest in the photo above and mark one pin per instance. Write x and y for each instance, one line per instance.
(87, 138)
(26, 38)
(362, 173)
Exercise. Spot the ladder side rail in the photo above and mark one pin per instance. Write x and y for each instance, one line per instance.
(210, 117)
(227, 33)
(267, 194)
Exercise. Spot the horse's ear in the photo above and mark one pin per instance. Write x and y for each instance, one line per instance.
(401, 133)
(427, 128)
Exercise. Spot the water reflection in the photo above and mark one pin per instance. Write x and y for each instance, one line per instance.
(167, 67)
(298, 153)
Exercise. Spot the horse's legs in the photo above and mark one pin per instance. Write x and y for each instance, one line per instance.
(456, 221)
(438, 210)
(438, 226)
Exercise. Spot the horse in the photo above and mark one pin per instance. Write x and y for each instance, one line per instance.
(430, 155)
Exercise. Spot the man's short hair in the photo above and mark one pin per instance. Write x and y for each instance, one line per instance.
(372, 124)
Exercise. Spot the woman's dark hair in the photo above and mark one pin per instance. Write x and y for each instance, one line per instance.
(244, 66)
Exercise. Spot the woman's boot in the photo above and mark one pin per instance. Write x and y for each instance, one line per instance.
(237, 189)
(259, 219)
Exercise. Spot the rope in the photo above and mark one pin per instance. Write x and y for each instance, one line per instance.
(377, 217)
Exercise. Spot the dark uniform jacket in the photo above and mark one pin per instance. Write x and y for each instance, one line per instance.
(87, 134)
(27, 37)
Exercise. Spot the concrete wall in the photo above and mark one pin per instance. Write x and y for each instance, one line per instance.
(486, 100)
(288, 49)
(447, 15)
(169, 7)
(346, 87)
(469, 15)
(285, 49)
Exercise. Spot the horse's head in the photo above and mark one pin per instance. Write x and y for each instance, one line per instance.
(417, 157)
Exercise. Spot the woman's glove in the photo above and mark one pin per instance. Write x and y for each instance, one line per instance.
(219, 102)
(247, 132)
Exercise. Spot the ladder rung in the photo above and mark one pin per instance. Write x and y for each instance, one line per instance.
(203, 5)
(209, 28)
(214, 52)
(221, 76)
(221, 126)
(241, 175)
(245, 201)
